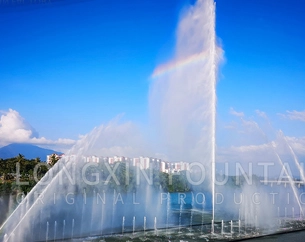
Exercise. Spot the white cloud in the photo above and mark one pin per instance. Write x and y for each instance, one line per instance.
(245, 153)
(250, 125)
(232, 125)
(242, 131)
(261, 114)
(15, 129)
(235, 113)
(294, 115)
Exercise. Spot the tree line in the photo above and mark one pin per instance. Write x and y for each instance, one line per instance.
(16, 170)
(19, 169)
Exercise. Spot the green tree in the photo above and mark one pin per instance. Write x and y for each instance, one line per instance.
(37, 160)
(53, 159)
(20, 158)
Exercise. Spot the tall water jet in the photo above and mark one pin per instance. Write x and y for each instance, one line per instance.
(213, 116)
(183, 92)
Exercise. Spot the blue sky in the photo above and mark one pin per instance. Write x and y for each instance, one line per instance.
(264, 49)
(68, 66)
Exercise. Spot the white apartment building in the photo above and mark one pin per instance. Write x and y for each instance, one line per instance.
(163, 167)
(180, 166)
(142, 162)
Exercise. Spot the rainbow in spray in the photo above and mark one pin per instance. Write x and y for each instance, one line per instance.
(175, 65)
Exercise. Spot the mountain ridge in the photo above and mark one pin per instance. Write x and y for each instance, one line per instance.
(29, 151)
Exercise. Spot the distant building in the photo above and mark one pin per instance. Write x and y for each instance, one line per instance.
(136, 161)
(52, 157)
(92, 158)
(180, 166)
(144, 162)
(111, 160)
(163, 166)
(141, 162)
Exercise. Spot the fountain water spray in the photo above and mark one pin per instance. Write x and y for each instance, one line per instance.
(231, 227)
(290, 180)
(55, 230)
(133, 224)
(212, 227)
(167, 211)
(47, 232)
(63, 229)
(213, 116)
(155, 226)
(300, 168)
(188, 132)
(180, 215)
(202, 219)
(192, 211)
(72, 232)
(123, 224)
(144, 225)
